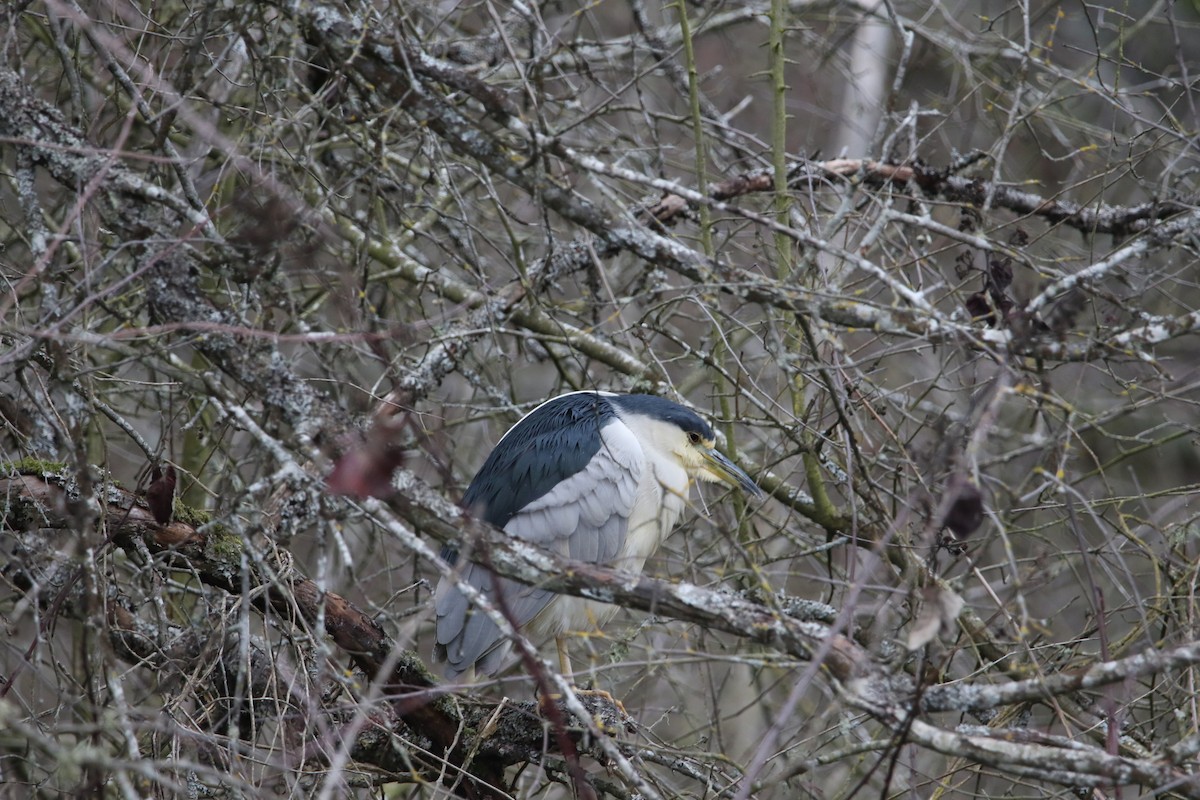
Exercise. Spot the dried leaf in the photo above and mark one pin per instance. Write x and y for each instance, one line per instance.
(979, 308)
(160, 494)
(939, 611)
(966, 511)
(1001, 275)
(366, 470)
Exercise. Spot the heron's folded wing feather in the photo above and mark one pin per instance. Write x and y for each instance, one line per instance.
(466, 636)
(579, 510)
(584, 516)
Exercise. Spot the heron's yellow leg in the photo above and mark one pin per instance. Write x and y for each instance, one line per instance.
(564, 664)
(564, 658)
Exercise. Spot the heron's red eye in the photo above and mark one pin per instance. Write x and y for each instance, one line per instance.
(694, 437)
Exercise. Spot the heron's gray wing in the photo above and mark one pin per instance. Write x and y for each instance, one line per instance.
(468, 638)
(584, 516)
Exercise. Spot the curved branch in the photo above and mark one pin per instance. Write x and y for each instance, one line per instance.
(889, 698)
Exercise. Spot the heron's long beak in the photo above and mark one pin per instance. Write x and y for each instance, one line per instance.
(724, 469)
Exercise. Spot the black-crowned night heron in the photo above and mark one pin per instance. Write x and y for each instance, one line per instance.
(598, 477)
